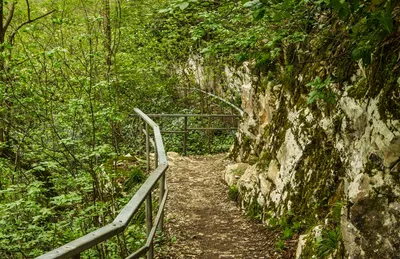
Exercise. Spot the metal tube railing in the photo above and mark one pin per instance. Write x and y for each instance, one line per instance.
(76, 247)
(185, 131)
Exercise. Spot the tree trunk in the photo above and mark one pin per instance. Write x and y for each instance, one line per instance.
(2, 115)
(107, 35)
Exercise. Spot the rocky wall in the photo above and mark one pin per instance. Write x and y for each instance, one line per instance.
(333, 169)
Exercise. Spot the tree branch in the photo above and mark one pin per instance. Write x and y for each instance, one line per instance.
(11, 38)
(9, 17)
(28, 9)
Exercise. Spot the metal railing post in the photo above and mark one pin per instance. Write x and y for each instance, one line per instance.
(147, 147)
(209, 136)
(185, 127)
(155, 155)
(162, 191)
(149, 223)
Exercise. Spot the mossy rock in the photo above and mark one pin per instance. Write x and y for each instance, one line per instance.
(359, 90)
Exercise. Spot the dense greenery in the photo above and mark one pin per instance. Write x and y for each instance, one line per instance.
(279, 39)
(71, 72)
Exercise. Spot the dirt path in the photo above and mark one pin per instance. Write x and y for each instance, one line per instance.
(201, 220)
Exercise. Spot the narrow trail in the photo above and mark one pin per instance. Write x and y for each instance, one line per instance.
(201, 219)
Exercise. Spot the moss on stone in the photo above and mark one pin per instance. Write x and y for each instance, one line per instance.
(373, 165)
(278, 126)
(359, 90)
(337, 124)
(264, 161)
(384, 75)
(318, 176)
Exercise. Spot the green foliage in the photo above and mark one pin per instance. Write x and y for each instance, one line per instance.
(280, 245)
(288, 225)
(65, 127)
(254, 210)
(136, 177)
(198, 141)
(64, 108)
(369, 23)
(273, 222)
(287, 233)
(64, 117)
(336, 211)
(328, 242)
(279, 39)
(233, 192)
(321, 90)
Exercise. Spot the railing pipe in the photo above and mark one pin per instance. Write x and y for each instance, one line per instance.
(155, 155)
(185, 129)
(162, 193)
(149, 224)
(76, 247)
(147, 147)
(190, 115)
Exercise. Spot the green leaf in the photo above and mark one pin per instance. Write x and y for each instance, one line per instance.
(355, 5)
(259, 14)
(336, 5)
(377, 2)
(357, 53)
(286, 3)
(252, 4)
(165, 10)
(366, 58)
(343, 12)
(183, 5)
(386, 21)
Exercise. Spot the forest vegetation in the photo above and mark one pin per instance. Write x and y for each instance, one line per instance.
(72, 71)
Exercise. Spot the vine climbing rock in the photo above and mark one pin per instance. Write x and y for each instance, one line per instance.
(201, 220)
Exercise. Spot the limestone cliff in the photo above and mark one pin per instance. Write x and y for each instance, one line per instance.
(331, 169)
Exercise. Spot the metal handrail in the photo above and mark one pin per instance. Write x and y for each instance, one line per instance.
(241, 112)
(191, 115)
(185, 131)
(76, 247)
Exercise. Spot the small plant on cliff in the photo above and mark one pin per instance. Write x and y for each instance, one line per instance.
(280, 245)
(328, 242)
(254, 210)
(287, 233)
(336, 211)
(233, 192)
(320, 90)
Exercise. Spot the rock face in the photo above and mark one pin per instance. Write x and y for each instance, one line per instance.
(331, 166)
